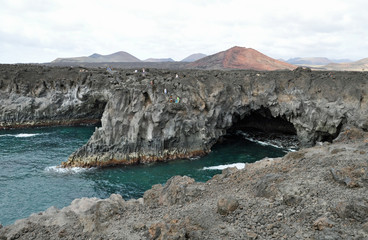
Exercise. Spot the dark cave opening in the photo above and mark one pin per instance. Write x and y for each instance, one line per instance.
(263, 121)
(260, 125)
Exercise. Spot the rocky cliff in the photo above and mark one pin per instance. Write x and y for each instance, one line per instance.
(140, 123)
(34, 96)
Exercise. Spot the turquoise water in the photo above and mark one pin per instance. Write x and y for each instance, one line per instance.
(29, 181)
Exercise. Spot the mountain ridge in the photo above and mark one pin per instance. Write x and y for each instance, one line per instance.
(120, 56)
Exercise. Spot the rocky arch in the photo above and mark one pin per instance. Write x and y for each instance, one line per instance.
(262, 120)
(149, 127)
(260, 124)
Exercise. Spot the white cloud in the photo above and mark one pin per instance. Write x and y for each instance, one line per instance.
(41, 30)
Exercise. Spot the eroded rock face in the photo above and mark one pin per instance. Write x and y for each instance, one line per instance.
(141, 124)
(32, 96)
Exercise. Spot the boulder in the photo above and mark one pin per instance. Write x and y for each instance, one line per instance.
(227, 205)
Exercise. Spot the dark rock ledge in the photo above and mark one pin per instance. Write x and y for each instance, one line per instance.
(294, 197)
(139, 123)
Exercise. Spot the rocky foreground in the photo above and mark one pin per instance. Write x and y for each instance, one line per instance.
(315, 193)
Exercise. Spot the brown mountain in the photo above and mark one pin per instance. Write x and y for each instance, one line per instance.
(95, 58)
(240, 58)
(361, 65)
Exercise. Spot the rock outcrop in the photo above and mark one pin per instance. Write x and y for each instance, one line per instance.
(294, 197)
(140, 123)
(32, 96)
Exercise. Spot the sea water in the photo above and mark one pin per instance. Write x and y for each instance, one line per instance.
(30, 180)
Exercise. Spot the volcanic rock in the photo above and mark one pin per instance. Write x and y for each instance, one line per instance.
(226, 205)
(33, 96)
(326, 210)
(142, 124)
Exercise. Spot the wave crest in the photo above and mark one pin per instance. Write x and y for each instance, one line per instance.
(59, 169)
(21, 135)
(222, 167)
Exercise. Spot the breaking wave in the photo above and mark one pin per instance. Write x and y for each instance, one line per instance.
(222, 167)
(21, 135)
(272, 143)
(58, 169)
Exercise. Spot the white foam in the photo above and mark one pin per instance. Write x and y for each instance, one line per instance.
(247, 137)
(20, 135)
(222, 167)
(24, 135)
(59, 169)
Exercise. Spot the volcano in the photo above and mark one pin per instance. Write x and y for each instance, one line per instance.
(240, 58)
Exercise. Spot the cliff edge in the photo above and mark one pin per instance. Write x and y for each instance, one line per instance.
(158, 115)
(141, 123)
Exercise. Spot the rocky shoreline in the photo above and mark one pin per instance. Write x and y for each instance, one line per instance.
(140, 121)
(315, 193)
(141, 124)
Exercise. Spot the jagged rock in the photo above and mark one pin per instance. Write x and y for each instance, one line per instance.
(227, 205)
(175, 229)
(356, 209)
(35, 95)
(266, 186)
(177, 190)
(151, 197)
(291, 200)
(322, 223)
(140, 124)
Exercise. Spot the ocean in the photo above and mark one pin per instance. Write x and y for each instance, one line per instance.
(30, 180)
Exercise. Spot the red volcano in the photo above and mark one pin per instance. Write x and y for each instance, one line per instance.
(240, 58)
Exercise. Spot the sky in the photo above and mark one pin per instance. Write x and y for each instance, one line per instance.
(37, 31)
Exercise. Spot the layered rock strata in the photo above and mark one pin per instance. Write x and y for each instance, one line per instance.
(315, 193)
(140, 123)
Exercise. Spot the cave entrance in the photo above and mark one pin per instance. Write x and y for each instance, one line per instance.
(260, 126)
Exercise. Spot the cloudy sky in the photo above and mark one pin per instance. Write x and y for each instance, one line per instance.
(42, 30)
